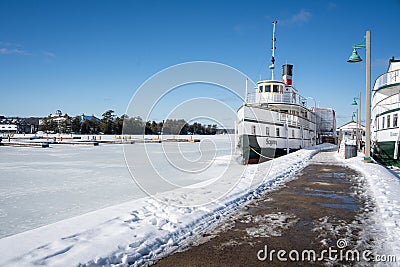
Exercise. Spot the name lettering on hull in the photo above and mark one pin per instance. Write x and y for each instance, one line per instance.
(270, 142)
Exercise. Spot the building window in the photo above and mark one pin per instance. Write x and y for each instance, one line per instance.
(277, 132)
(267, 131)
(388, 121)
(395, 120)
(260, 88)
(253, 129)
(383, 122)
(268, 88)
(293, 133)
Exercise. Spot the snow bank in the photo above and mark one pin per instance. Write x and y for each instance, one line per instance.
(384, 187)
(144, 230)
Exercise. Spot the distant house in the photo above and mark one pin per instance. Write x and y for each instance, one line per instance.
(18, 125)
(8, 128)
(59, 119)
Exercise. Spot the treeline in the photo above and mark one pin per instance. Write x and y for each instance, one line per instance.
(112, 124)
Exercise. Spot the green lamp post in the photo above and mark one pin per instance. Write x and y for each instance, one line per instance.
(356, 58)
(359, 131)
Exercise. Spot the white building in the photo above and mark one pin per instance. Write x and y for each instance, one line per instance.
(8, 128)
(349, 130)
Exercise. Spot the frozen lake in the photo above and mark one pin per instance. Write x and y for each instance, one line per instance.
(39, 186)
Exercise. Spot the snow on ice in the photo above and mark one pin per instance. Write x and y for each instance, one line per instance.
(145, 229)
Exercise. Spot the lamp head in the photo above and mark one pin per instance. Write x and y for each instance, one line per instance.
(352, 116)
(354, 57)
(354, 102)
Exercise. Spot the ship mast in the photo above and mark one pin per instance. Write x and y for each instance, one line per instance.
(272, 67)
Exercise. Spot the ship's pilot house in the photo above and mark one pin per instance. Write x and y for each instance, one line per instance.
(271, 91)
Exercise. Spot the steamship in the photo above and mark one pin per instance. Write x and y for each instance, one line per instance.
(385, 115)
(274, 119)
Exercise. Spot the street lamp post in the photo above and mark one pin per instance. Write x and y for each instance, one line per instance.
(359, 129)
(356, 58)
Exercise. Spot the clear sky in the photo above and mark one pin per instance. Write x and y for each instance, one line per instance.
(91, 56)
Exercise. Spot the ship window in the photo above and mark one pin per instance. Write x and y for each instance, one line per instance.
(267, 131)
(275, 88)
(260, 88)
(395, 120)
(388, 121)
(268, 88)
(383, 122)
(253, 129)
(277, 132)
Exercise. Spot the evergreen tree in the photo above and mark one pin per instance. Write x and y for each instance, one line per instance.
(147, 129)
(107, 122)
(155, 128)
(118, 124)
(44, 126)
(85, 127)
(95, 126)
(76, 124)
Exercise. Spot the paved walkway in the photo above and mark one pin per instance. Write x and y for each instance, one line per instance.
(313, 212)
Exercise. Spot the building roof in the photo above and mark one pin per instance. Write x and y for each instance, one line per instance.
(352, 125)
(8, 127)
(88, 118)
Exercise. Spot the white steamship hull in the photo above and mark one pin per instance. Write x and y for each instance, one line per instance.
(265, 134)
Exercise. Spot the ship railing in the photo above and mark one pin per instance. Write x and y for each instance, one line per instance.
(387, 78)
(387, 103)
(290, 98)
(289, 119)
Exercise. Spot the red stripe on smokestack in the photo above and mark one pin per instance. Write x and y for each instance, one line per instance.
(287, 74)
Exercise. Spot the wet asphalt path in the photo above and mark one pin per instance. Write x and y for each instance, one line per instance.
(324, 205)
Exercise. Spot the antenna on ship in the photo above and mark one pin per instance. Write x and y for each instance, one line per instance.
(272, 67)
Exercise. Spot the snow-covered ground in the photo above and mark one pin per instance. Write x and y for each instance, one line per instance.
(139, 230)
(144, 229)
(384, 188)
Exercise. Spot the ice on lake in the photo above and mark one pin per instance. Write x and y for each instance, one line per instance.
(39, 186)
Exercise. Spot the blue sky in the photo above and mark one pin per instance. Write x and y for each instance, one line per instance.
(91, 56)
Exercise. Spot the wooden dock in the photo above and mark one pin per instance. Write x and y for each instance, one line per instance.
(90, 143)
(26, 144)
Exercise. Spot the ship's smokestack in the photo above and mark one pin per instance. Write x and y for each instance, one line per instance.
(287, 74)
